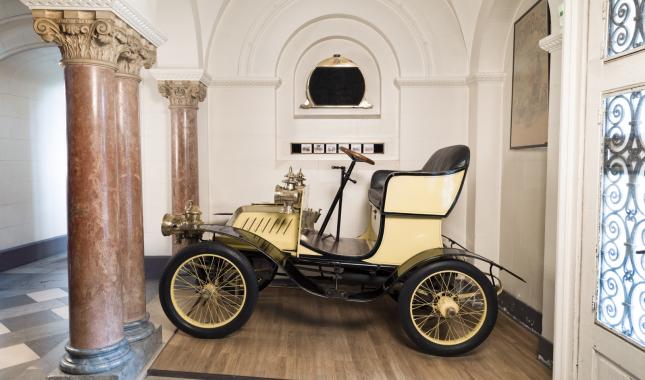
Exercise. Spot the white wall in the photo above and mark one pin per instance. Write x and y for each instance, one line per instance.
(439, 74)
(444, 71)
(523, 190)
(33, 164)
(257, 52)
(553, 154)
(155, 156)
(529, 184)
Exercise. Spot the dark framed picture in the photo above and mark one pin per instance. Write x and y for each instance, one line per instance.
(530, 94)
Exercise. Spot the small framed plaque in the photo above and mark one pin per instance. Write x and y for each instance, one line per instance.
(333, 148)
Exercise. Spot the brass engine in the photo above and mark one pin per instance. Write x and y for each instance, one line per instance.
(277, 222)
(290, 194)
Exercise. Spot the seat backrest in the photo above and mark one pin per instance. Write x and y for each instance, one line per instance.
(450, 158)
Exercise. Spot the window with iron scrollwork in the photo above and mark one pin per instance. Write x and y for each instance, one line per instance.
(621, 256)
(625, 23)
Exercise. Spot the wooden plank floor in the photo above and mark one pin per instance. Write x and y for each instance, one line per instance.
(292, 335)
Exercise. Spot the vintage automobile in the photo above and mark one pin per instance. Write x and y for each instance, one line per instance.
(447, 306)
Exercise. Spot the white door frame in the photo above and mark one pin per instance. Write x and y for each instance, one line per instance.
(569, 204)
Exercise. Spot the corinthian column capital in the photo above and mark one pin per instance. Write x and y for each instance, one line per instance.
(90, 37)
(183, 93)
(136, 53)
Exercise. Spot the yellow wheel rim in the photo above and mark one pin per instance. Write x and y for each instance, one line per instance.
(448, 307)
(208, 291)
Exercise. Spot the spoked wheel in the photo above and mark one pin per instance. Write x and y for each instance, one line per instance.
(208, 290)
(448, 308)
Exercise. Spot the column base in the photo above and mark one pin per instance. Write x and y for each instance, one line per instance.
(142, 352)
(138, 330)
(88, 361)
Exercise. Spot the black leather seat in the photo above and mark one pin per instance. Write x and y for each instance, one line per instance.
(443, 161)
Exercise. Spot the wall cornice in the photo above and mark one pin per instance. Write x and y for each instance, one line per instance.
(433, 81)
(246, 82)
(121, 8)
(486, 77)
(551, 43)
(449, 81)
(195, 75)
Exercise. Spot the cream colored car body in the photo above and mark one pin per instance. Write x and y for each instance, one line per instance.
(414, 206)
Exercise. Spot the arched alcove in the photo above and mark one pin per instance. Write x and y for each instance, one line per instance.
(379, 64)
(17, 33)
(33, 142)
(250, 46)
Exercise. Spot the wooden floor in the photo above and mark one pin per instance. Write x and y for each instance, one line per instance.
(293, 335)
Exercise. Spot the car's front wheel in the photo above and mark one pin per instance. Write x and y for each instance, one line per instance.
(208, 290)
(448, 307)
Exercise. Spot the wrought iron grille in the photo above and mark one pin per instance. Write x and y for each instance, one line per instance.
(621, 259)
(625, 26)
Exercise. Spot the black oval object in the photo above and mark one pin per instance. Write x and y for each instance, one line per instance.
(336, 86)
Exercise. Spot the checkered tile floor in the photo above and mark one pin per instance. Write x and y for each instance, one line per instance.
(34, 318)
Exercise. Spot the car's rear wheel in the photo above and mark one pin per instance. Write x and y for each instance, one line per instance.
(208, 290)
(448, 307)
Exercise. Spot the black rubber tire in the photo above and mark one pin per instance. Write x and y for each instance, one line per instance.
(234, 257)
(428, 346)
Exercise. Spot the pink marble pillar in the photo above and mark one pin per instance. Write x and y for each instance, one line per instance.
(92, 202)
(130, 198)
(184, 97)
(89, 47)
(131, 249)
(91, 43)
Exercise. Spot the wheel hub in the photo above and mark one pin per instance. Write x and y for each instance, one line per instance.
(209, 290)
(447, 307)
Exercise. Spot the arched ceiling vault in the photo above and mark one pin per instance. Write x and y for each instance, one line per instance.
(428, 37)
(16, 29)
(494, 32)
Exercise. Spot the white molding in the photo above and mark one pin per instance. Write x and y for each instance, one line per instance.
(449, 81)
(19, 49)
(246, 82)
(122, 8)
(569, 205)
(181, 74)
(16, 18)
(551, 43)
(486, 77)
(434, 81)
(261, 27)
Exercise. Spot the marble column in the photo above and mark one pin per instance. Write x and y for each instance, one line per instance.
(184, 97)
(139, 53)
(90, 43)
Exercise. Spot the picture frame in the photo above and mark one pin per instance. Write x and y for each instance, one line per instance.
(306, 149)
(530, 79)
(331, 149)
